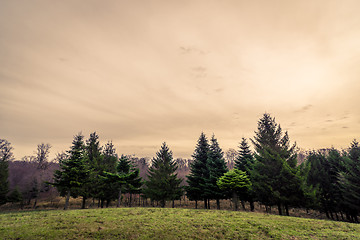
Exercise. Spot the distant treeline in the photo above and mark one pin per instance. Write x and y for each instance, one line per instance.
(274, 174)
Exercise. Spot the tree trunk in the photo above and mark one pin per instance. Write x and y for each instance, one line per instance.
(327, 214)
(195, 204)
(252, 205)
(119, 199)
(287, 210)
(102, 203)
(279, 209)
(356, 218)
(83, 202)
(173, 203)
(243, 204)
(67, 200)
(107, 202)
(162, 202)
(342, 216)
(218, 204)
(205, 203)
(208, 203)
(235, 201)
(130, 200)
(35, 202)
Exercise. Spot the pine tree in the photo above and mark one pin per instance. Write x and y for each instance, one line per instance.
(245, 162)
(107, 164)
(128, 178)
(217, 167)
(6, 155)
(275, 178)
(336, 167)
(125, 180)
(163, 184)
(74, 171)
(96, 187)
(309, 185)
(245, 159)
(199, 172)
(319, 176)
(350, 183)
(237, 182)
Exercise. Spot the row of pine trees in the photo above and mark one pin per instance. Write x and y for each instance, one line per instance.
(328, 181)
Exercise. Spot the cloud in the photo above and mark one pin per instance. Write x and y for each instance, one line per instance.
(192, 50)
(142, 73)
(305, 108)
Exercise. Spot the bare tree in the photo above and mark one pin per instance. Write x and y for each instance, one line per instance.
(42, 156)
(230, 156)
(42, 164)
(5, 151)
(60, 157)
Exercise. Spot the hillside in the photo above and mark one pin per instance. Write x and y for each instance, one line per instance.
(155, 223)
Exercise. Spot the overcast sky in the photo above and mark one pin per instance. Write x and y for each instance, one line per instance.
(143, 72)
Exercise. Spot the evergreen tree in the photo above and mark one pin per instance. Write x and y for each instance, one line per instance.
(163, 183)
(245, 159)
(336, 167)
(107, 164)
(310, 188)
(126, 179)
(6, 155)
(245, 162)
(276, 179)
(217, 167)
(323, 177)
(133, 181)
(94, 159)
(74, 171)
(318, 177)
(237, 182)
(350, 183)
(199, 172)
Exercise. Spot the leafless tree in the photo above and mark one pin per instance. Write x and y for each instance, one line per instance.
(42, 156)
(5, 151)
(60, 157)
(42, 164)
(230, 156)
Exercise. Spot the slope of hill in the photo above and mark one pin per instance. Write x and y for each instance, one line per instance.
(155, 223)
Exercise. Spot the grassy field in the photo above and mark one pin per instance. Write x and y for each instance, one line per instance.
(156, 223)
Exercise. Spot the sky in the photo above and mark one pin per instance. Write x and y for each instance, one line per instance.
(143, 72)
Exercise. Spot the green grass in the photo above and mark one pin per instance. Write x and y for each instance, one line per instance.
(156, 223)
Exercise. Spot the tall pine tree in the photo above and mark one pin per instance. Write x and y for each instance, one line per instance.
(125, 180)
(217, 167)
(94, 188)
(350, 183)
(6, 155)
(199, 172)
(74, 172)
(245, 158)
(133, 181)
(276, 180)
(108, 162)
(163, 184)
(245, 162)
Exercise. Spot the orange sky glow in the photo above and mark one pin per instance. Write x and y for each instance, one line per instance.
(144, 72)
